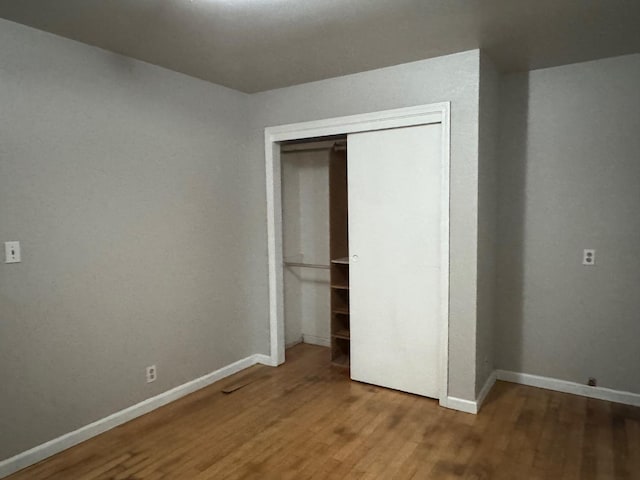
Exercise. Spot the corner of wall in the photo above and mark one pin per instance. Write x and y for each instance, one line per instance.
(488, 114)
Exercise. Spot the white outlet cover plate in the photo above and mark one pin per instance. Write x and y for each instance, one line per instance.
(589, 256)
(151, 373)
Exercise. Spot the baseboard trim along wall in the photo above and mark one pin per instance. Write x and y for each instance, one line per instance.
(469, 406)
(460, 404)
(68, 440)
(565, 386)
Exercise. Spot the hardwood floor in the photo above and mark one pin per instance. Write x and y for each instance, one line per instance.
(306, 420)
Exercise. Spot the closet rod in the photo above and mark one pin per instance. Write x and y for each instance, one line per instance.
(306, 265)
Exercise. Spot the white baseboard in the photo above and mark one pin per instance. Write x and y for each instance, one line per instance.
(548, 383)
(469, 406)
(564, 386)
(68, 440)
(460, 404)
(265, 360)
(313, 340)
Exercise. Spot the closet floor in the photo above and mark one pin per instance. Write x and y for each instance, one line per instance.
(308, 420)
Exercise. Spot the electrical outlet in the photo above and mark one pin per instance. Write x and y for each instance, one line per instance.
(588, 256)
(151, 373)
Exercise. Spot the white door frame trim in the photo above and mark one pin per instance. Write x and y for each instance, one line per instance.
(396, 118)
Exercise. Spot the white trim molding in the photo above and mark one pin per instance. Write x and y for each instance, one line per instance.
(565, 386)
(396, 118)
(460, 404)
(263, 360)
(68, 440)
(548, 383)
(470, 406)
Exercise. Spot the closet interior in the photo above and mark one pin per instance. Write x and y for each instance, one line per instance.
(316, 244)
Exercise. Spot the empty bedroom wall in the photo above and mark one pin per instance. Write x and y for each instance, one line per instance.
(124, 184)
(570, 180)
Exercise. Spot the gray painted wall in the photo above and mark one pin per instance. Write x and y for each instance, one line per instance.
(138, 195)
(570, 179)
(487, 218)
(124, 183)
(452, 78)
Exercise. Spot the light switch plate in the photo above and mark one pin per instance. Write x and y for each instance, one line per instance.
(12, 252)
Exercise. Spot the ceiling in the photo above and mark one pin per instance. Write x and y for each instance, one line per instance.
(254, 45)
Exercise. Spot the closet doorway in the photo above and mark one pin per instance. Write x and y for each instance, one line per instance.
(399, 325)
(309, 235)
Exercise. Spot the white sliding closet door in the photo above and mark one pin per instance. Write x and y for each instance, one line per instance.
(394, 181)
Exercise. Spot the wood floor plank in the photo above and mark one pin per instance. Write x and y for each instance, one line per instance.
(306, 420)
